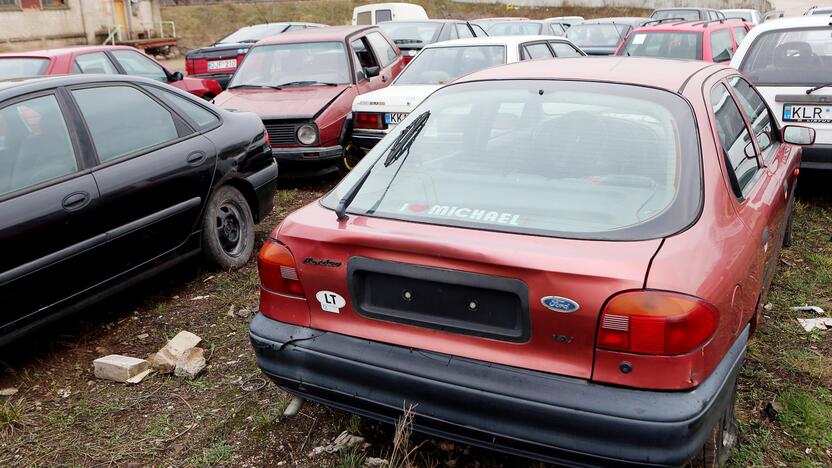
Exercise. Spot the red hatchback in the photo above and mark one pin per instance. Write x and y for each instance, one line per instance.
(711, 41)
(302, 84)
(548, 259)
(108, 60)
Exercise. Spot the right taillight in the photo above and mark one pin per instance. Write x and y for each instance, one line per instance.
(277, 269)
(656, 323)
(372, 120)
(189, 66)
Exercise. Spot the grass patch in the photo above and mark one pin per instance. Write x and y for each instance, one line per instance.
(807, 416)
(12, 416)
(218, 454)
(351, 458)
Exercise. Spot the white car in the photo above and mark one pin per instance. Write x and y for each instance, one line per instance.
(789, 61)
(750, 16)
(375, 113)
(375, 13)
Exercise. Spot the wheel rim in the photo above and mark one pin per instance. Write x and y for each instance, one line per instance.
(351, 156)
(230, 229)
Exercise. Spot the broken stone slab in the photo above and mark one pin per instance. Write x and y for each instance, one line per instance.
(119, 368)
(190, 364)
(164, 361)
(810, 324)
(808, 308)
(139, 377)
(344, 440)
(373, 462)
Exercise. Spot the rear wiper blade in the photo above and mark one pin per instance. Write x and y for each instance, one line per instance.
(253, 86)
(812, 90)
(309, 82)
(400, 146)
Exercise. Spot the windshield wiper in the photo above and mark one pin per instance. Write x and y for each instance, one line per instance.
(253, 86)
(812, 90)
(307, 82)
(399, 147)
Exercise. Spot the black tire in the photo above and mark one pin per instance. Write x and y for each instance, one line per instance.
(227, 229)
(352, 155)
(722, 438)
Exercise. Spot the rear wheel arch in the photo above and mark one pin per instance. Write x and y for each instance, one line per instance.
(248, 193)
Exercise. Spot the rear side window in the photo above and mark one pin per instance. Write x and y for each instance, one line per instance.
(563, 49)
(14, 67)
(97, 62)
(478, 30)
(34, 144)
(384, 51)
(463, 32)
(739, 35)
(557, 29)
(537, 51)
(197, 114)
(118, 133)
(757, 112)
(383, 15)
(721, 47)
(738, 151)
(364, 18)
(138, 64)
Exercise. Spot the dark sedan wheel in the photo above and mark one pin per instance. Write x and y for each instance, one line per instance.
(228, 229)
(721, 440)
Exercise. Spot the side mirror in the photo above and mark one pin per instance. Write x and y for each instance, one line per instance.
(177, 76)
(798, 135)
(372, 71)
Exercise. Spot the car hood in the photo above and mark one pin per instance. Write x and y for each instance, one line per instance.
(306, 101)
(394, 98)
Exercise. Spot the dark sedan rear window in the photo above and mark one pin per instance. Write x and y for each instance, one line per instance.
(582, 160)
(676, 44)
(17, 67)
(407, 33)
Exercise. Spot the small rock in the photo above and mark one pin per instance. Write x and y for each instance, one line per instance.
(164, 361)
(102, 350)
(231, 310)
(346, 440)
(119, 368)
(143, 336)
(190, 364)
(199, 298)
(374, 462)
(7, 392)
(773, 408)
(768, 306)
(243, 313)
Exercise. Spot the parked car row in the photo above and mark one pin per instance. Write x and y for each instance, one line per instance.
(513, 209)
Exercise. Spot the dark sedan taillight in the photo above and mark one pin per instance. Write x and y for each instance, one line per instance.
(372, 120)
(189, 66)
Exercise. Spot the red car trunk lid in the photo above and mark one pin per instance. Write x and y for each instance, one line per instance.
(473, 294)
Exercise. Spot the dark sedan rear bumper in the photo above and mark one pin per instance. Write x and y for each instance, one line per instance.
(552, 418)
(818, 156)
(264, 183)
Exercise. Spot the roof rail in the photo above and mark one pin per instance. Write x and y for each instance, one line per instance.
(707, 22)
(660, 21)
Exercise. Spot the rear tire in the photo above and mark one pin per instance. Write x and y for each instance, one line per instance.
(721, 439)
(227, 229)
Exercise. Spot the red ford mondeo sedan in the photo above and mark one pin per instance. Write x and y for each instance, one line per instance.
(559, 261)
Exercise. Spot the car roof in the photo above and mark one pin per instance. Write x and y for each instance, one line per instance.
(792, 22)
(52, 53)
(629, 20)
(16, 86)
(691, 26)
(685, 8)
(630, 70)
(431, 20)
(509, 41)
(329, 33)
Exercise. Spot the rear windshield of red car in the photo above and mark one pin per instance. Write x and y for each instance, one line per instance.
(584, 160)
(670, 44)
(18, 67)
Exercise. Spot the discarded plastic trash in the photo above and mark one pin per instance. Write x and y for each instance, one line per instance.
(810, 324)
(808, 308)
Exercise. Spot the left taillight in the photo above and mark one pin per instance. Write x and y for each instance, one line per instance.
(374, 120)
(656, 323)
(278, 272)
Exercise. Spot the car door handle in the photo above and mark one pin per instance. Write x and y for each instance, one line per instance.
(75, 201)
(196, 158)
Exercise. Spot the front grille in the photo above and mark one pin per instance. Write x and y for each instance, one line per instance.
(281, 133)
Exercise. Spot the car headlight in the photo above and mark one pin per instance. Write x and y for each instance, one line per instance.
(307, 134)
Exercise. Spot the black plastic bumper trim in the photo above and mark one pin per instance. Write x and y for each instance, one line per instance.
(529, 413)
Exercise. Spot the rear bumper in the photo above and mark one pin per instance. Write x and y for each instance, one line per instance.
(818, 156)
(544, 416)
(264, 183)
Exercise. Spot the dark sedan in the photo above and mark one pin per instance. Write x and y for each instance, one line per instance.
(412, 36)
(105, 181)
(219, 60)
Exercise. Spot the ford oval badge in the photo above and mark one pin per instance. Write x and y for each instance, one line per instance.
(560, 304)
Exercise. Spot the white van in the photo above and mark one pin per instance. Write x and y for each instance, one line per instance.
(375, 13)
